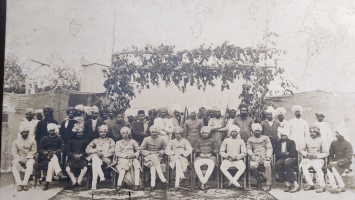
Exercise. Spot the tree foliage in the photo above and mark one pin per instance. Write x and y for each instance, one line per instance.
(198, 67)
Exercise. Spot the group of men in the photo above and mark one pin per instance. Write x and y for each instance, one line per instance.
(106, 140)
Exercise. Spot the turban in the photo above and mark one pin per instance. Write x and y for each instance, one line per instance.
(320, 113)
(78, 128)
(23, 128)
(178, 108)
(30, 110)
(178, 130)
(154, 127)
(80, 107)
(233, 128)
(87, 110)
(280, 110)
(126, 130)
(206, 129)
(194, 109)
(70, 109)
(94, 109)
(105, 110)
(152, 111)
(48, 108)
(110, 109)
(215, 109)
(271, 110)
(315, 128)
(160, 110)
(297, 108)
(256, 127)
(343, 131)
(140, 112)
(39, 111)
(52, 126)
(103, 127)
(283, 131)
(243, 105)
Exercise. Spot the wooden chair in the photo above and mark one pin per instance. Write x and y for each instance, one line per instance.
(38, 167)
(164, 166)
(189, 168)
(89, 174)
(204, 167)
(234, 169)
(261, 168)
(115, 174)
(311, 170)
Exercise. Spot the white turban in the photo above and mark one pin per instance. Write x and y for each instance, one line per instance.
(177, 107)
(296, 108)
(256, 126)
(343, 131)
(39, 111)
(320, 113)
(52, 126)
(80, 107)
(283, 131)
(103, 127)
(87, 110)
(271, 110)
(23, 128)
(233, 128)
(78, 128)
(30, 110)
(280, 110)
(154, 127)
(193, 109)
(94, 109)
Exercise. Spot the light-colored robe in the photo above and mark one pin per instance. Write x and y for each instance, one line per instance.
(106, 145)
(177, 147)
(299, 131)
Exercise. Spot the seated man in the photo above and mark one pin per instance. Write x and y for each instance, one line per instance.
(127, 151)
(50, 148)
(233, 151)
(153, 149)
(313, 151)
(340, 154)
(206, 149)
(100, 151)
(286, 159)
(260, 151)
(177, 150)
(75, 150)
(23, 152)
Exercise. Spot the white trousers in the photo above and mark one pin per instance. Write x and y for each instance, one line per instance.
(179, 172)
(226, 164)
(17, 168)
(72, 177)
(317, 165)
(96, 170)
(337, 176)
(153, 170)
(53, 167)
(122, 174)
(210, 166)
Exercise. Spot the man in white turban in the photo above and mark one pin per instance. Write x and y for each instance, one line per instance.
(299, 131)
(165, 125)
(314, 150)
(340, 154)
(270, 126)
(324, 128)
(100, 151)
(192, 126)
(23, 152)
(280, 114)
(259, 149)
(233, 151)
(39, 114)
(30, 123)
(286, 159)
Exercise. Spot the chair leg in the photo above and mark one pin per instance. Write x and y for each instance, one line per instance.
(249, 178)
(222, 177)
(218, 170)
(245, 179)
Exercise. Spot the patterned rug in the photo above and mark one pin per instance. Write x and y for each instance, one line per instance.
(160, 193)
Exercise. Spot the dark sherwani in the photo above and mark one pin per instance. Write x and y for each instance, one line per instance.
(50, 143)
(77, 146)
(342, 152)
(206, 146)
(138, 131)
(66, 132)
(114, 131)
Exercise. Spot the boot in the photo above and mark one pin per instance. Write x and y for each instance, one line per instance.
(45, 187)
(287, 189)
(295, 189)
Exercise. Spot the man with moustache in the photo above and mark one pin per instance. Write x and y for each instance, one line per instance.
(29, 122)
(115, 128)
(23, 151)
(270, 126)
(217, 124)
(299, 131)
(140, 128)
(244, 122)
(39, 114)
(111, 117)
(152, 114)
(41, 130)
(192, 127)
(91, 130)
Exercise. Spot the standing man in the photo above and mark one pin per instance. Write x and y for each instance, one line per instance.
(233, 151)
(152, 113)
(23, 150)
(244, 122)
(177, 119)
(286, 159)
(324, 128)
(66, 128)
(91, 130)
(216, 124)
(29, 122)
(104, 114)
(270, 126)
(115, 128)
(79, 111)
(299, 131)
(165, 125)
(314, 150)
(340, 154)
(192, 127)
(111, 117)
(204, 116)
(260, 151)
(41, 130)
(39, 114)
(140, 128)
(280, 113)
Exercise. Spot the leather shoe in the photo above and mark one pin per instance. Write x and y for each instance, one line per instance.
(25, 188)
(320, 190)
(295, 189)
(118, 188)
(152, 188)
(45, 187)
(136, 188)
(287, 189)
(177, 188)
(310, 187)
(267, 188)
(19, 188)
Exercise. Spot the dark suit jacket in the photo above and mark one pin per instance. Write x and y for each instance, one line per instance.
(41, 130)
(90, 133)
(290, 147)
(270, 130)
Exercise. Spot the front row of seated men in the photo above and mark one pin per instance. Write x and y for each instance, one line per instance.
(233, 150)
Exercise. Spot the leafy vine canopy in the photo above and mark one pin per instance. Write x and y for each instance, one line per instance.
(199, 67)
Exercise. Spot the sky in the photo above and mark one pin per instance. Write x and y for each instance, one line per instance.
(319, 36)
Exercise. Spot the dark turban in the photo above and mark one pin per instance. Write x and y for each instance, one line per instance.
(141, 112)
(70, 109)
